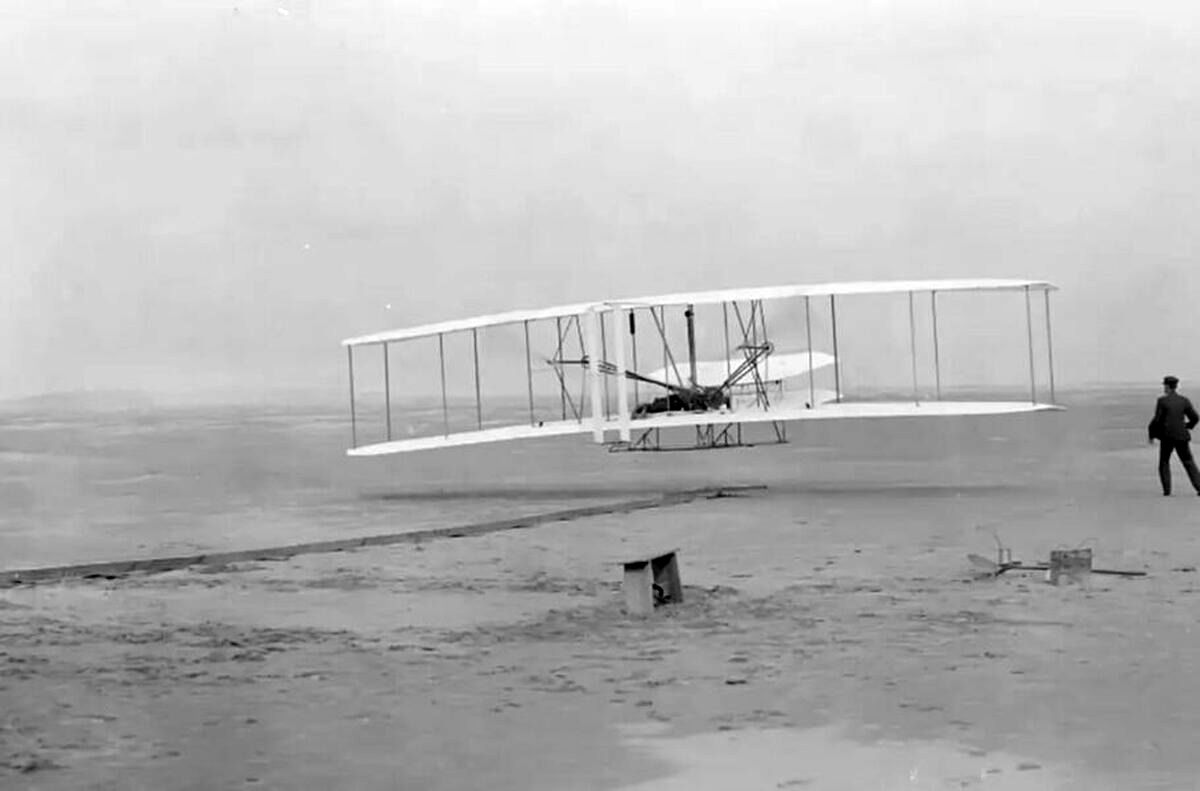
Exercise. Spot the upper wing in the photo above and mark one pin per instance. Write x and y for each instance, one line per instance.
(836, 289)
(701, 298)
(475, 322)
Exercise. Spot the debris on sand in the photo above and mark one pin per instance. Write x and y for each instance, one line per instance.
(1071, 563)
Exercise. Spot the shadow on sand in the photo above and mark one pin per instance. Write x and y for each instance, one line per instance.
(522, 492)
(849, 489)
(532, 493)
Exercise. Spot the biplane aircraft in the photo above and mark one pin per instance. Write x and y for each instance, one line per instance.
(583, 371)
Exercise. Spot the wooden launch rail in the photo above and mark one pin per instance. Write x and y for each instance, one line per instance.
(119, 568)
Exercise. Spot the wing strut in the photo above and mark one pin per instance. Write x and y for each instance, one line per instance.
(937, 368)
(562, 393)
(812, 393)
(1029, 333)
(583, 379)
(478, 397)
(725, 319)
(749, 346)
(529, 373)
(353, 417)
(604, 356)
(442, 367)
(633, 343)
(622, 391)
(912, 337)
(837, 373)
(762, 317)
(667, 356)
(593, 362)
(1049, 345)
(690, 315)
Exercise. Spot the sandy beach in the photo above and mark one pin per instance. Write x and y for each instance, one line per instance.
(833, 634)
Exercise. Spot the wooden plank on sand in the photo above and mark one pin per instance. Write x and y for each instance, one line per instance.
(120, 568)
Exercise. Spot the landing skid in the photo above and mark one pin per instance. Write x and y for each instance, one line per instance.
(707, 437)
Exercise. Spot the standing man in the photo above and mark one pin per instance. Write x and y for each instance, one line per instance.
(1174, 418)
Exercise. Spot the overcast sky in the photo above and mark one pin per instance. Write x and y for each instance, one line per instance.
(214, 194)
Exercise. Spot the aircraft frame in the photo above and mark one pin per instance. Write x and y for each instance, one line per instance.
(583, 339)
